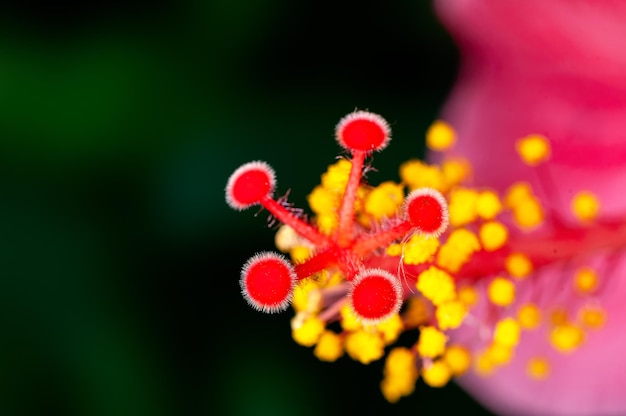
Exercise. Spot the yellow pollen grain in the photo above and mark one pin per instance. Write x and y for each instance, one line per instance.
(592, 316)
(440, 136)
(336, 176)
(468, 295)
(499, 354)
(501, 291)
(394, 249)
(462, 206)
(458, 249)
(488, 205)
(518, 265)
(538, 368)
(364, 346)
(566, 338)
(327, 223)
(507, 332)
(483, 364)
(450, 314)
(436, 285)
(517, 193)
(420, 249)
(585, 206)
(493, 235)
(437, 374)
(417, 312)
(322, 201)
(303, 293)
(431, 343)
(391, 328)
(417, 174)
(299, 254)
(400, 374)
(455, 170)
(308, 332)
(528, 213)
(529, 316)
(559, 316)
(458, 359)
(329, 347)
(384, 200)
(585, 281)
(533, 149)
(349, 321)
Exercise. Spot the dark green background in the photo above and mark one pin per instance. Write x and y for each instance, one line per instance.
(120, 123)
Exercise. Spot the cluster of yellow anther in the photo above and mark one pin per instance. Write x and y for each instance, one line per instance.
(480, 221)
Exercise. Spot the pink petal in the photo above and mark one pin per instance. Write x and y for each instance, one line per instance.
(556, 68)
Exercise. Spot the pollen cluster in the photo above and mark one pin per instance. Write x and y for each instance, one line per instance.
(428, 255)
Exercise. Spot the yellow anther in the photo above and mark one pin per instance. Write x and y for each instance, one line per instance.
(506, 332)
(394, 249)
(559, 316)
(493, 235)
(462, 206)
(483, 364)
(400, 374)
(528, 213)
(336, 176)
(436, 285)
(516, 194)
(501, 291)
(585, 281)
(518, 265)
(566, 337)
(437, 374)
(440, 136)
(538, 368)
(364, 346)
(417, 312)
(488, 205)
(306, 296)
(529, 316)
(499, 354)
(384, 200)
(329, 347)
(458, 359)
(322, 201)
(455, 171)
(286, 238)
(450, 314)
(308, 332)
(349, 321)
(299, 254)
(327, 223)
(458, 249)
(592, 316)
(468, 295)
(585, 206)
(420, 249)
(533, 149)
(417, 174)
(391, 328)
(431, 343)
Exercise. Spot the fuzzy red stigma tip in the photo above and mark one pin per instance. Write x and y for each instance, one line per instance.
(249, 184)
(363, 131)
(267, 282)
(375, 295)
(427, 211)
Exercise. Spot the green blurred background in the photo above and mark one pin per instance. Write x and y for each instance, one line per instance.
(120, 123)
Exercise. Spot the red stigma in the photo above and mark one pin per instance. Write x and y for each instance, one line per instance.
(376, 295)
(427, 211)
(267, 281)
(249, 184)
(363, 131)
